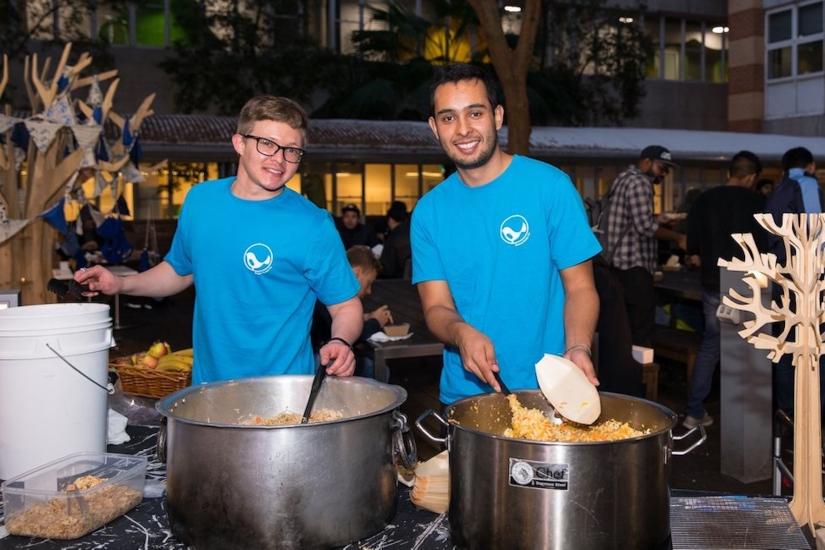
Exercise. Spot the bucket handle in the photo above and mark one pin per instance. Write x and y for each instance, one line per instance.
(108, 388)
(694, 445)
(420, 425)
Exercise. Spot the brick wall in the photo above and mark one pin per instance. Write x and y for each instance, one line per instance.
(746, 97)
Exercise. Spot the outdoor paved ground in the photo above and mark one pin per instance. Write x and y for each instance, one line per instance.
(171, 320)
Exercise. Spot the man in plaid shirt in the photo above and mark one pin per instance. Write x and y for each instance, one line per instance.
(632, 233)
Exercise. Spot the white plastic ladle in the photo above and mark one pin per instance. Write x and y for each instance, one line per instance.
(567, 388)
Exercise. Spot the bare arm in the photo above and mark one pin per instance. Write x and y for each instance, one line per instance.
(160, 281)
(347, 321)
(581, 312)
(477, 352)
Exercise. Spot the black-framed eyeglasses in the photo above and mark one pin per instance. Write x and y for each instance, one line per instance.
(268, 148)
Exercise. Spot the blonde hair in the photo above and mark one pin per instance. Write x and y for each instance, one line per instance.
(270, 107)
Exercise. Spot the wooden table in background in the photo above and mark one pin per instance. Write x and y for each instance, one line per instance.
(402, 298)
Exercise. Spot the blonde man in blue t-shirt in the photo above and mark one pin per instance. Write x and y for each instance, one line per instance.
(259, 256)
(501, 251)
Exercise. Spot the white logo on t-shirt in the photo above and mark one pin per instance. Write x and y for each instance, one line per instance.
(258, 258)
(515, 230)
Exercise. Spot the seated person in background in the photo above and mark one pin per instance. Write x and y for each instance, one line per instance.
(396, 254)
(352, 231)
(365, 266)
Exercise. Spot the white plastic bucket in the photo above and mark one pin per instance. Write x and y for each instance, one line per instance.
(47, 409)
(50, 316)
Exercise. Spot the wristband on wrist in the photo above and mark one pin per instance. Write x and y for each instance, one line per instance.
(339, 339)
(583, 347)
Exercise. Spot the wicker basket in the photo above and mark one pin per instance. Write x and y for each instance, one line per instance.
(149, 382)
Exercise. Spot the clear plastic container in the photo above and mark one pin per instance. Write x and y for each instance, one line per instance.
(71, 497)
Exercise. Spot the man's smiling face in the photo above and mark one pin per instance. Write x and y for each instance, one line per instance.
(465, 122)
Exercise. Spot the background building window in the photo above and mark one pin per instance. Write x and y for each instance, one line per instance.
(694, 50)
(349, 182)
(378, 189)
(795, 37)
(673, 49)
(687, 49)
(653, 31)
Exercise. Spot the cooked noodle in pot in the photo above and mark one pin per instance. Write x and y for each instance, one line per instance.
(534, 424)
(286, 417)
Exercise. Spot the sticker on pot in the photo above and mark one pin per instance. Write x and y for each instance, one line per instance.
(539, 475)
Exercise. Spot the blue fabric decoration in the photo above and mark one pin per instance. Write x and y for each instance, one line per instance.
(55, 217)
(62, 82)
(136, 153)
(70, 245)
(97, 114)
(121, 207)
(20, 136)
(115, 248)
(127, 134)
(101, 152)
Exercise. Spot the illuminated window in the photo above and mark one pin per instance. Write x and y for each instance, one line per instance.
(349, 184)
(431, 175)
(691, 50)
(377, 186)
(406, 184)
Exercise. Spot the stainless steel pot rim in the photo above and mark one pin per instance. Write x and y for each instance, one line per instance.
(164, 406)
(664, 410)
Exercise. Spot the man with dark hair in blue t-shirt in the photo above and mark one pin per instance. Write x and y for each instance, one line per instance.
(501, 251)
(259, 255)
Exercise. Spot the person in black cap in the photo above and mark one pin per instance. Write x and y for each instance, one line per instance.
(352, 231)
(632, 236)
(396, 255)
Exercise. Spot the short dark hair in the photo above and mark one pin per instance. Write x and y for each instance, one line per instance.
(398, 211)
(351, 208)
(361, 256)
(456, 72)
(744, 164)
(798, 157)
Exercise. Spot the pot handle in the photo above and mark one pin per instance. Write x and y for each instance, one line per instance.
(420, 425)
(695, 444)
(160, 447)
(403, 441)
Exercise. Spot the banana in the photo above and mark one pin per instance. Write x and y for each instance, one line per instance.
(175, 363)
(182, 353)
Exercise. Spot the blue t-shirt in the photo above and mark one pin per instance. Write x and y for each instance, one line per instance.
(809, 188)
(258, 267)
(500, 248)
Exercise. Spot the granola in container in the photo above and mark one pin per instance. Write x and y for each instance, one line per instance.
(73, 496)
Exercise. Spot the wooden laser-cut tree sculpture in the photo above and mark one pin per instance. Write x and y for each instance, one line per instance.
(801, 310)
(64, 137)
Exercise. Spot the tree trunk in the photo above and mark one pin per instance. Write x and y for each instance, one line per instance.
(511, 65)
(518, 116)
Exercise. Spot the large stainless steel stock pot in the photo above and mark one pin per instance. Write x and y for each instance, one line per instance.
(518, 494)
(296, 486)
